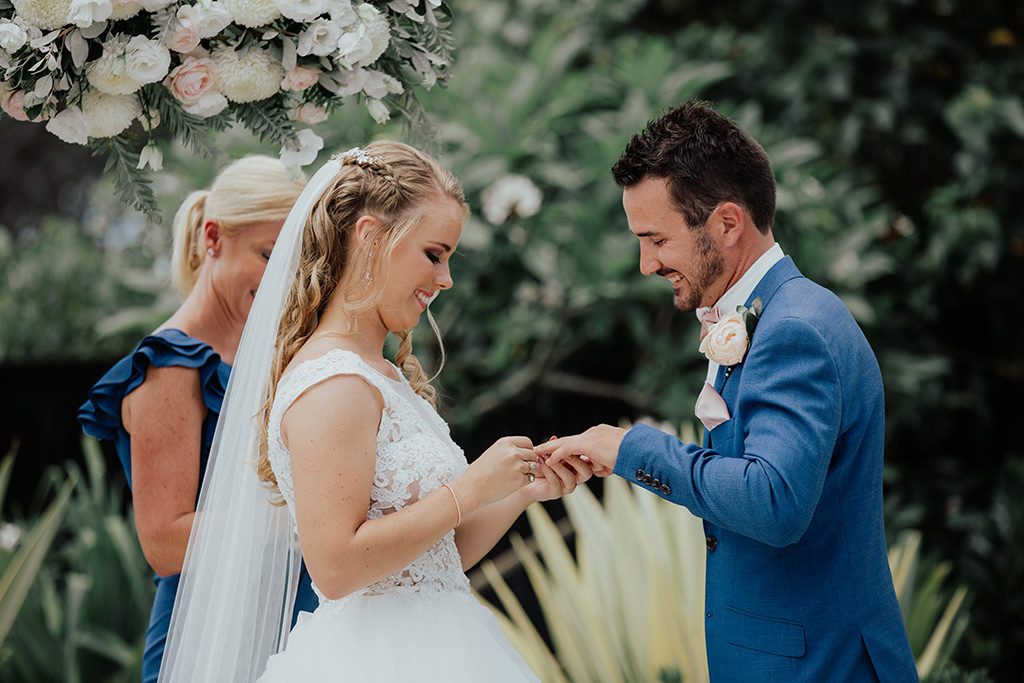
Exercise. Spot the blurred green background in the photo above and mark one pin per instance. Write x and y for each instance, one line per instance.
(896, 130)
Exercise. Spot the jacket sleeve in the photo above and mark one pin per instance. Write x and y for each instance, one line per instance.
(790, 409)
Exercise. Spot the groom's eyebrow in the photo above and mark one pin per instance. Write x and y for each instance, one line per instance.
(647, 233)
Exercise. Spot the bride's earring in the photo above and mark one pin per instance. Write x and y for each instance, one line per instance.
(367, 276)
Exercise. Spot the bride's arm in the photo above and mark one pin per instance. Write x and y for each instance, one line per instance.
(482, 529)
(331, 434)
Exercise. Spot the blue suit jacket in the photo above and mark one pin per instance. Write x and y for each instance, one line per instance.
(798, 586)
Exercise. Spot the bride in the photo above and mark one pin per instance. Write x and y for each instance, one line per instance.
(387, 513)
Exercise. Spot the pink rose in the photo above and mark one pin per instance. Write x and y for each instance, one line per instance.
(13, 104)
(310, 113)
(190, 81)
(184, 38)
(300, 77)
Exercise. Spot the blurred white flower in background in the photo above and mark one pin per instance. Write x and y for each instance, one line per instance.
(9, 535)
(109, 115)
(247, 76)
(511, 194)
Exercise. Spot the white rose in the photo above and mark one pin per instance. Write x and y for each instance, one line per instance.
(310, 113)
(71, 125)
(300, 77)
(302, 10)
(303, 152)
(211, 17)
(109, 73)
(146, 61)
(85, 13)
(726, 342)
(12, 36)
(364, 42)
(184, 35)
(320, 38)
(342, 13)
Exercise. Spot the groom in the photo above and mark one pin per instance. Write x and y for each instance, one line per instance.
(788, 479)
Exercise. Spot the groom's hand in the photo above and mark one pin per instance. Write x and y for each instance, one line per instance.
(598, 445)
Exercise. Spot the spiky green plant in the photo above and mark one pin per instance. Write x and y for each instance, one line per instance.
(22, 562)
(85, 618)
(629, 606)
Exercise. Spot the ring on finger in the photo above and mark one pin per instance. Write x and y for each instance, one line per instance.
(531, 477)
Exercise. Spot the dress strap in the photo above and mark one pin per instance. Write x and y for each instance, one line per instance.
(335, 362)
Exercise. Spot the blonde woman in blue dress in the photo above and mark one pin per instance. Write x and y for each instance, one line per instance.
(387, 512)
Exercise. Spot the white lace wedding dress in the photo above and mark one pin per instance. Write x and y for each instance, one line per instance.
(421, 624)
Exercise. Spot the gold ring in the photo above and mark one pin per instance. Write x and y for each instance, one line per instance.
(531, 477)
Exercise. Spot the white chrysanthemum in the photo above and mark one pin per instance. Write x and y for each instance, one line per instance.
(247, 76)
(252, 13)
(109, 115)
(124, 9)
(44, 14)
(109, 73)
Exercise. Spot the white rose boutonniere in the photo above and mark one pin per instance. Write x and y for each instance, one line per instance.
(728, 340)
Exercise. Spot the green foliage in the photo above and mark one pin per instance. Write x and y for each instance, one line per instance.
(85, 618)
(133, 185)
(64, 298)
(21, 562)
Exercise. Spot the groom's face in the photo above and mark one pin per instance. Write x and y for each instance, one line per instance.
(688, 258)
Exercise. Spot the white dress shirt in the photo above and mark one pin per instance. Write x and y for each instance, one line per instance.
(737, 294)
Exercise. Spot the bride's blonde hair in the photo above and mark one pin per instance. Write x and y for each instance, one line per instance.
(390, 185)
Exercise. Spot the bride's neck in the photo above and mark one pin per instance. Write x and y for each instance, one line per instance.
(369, 333)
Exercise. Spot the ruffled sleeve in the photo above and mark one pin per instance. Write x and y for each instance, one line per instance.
(100, 415)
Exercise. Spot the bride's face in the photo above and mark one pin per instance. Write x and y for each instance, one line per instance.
(420, 264)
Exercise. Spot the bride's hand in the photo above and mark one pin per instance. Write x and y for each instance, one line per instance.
(558, 480)
(500, 471)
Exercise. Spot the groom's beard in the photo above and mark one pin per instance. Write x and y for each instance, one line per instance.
(708, 265)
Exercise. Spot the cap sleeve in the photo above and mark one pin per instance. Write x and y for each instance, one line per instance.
(100, 415)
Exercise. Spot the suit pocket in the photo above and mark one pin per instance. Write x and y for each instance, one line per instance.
(764, 634)
(722, 437)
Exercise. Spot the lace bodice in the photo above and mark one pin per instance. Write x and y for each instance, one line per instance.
(415, 455)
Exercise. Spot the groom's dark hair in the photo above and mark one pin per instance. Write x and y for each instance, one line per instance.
(707, 159)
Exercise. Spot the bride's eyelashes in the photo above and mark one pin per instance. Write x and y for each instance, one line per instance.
(434, 258)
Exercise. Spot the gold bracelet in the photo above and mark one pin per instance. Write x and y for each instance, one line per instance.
(458, 508)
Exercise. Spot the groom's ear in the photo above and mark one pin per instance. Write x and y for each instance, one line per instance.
(730, 219)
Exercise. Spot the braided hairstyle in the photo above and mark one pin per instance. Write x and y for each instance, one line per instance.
(389, 181)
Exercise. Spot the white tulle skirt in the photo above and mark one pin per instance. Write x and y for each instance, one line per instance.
(399, 636)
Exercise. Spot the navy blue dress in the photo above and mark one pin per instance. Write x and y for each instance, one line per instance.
(100, 417)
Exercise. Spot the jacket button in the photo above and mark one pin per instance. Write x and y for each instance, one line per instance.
(712, 543)
(656, 484)
(640, 474)
(647, 479)
(666, 490)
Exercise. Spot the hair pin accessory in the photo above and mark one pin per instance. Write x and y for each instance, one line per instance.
(357, 156)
